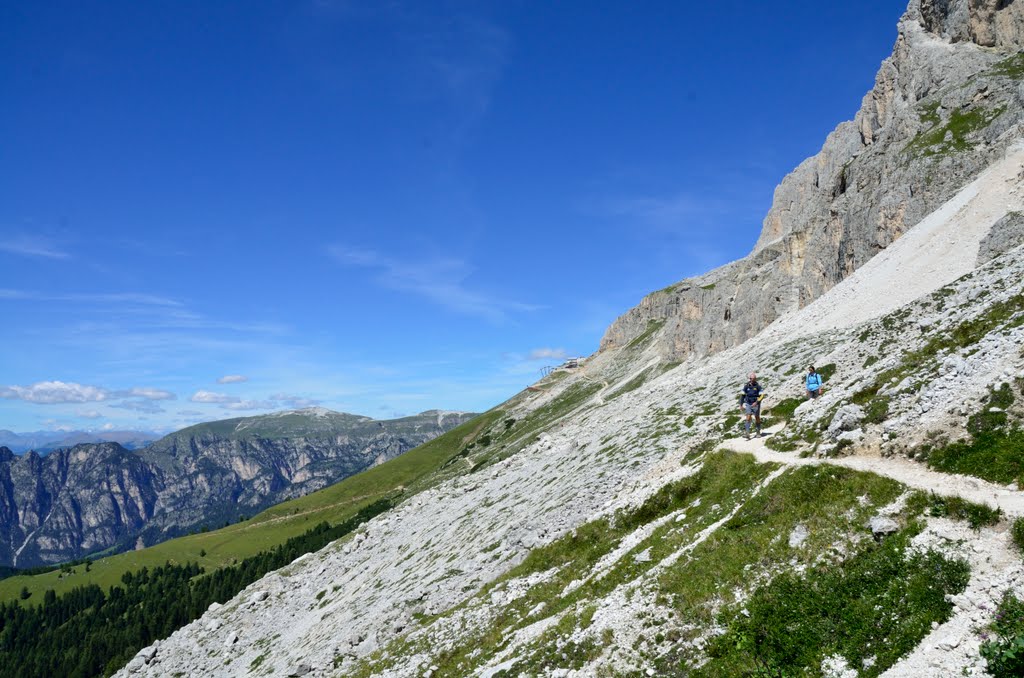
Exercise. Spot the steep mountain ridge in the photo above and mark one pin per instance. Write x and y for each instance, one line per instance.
(95, 497)
(945, 105)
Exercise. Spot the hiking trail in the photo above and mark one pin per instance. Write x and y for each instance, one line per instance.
(912, 474)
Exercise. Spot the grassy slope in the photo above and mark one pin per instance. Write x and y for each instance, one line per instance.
(273, 526)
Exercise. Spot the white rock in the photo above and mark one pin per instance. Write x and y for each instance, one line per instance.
(798, 536)
(881, 526)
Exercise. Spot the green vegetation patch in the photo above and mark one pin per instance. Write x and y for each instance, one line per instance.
(631, 385)
(1017, 533)
(826, 371)
(1012, 67)
(957, 508)
(825, 500)
(571, 399)
(953, 136)
(781, 443)
(995, 450)
(652, 327)
(784, 409)
(875, 606)
(1004, 654)
(928, 114)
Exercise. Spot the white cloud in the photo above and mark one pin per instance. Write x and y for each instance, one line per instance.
(242, 405)
(547, 354)
(190, 413)
(58, 392)
(89, 414)
(32, 246)
(55, 425)
(147, 393)
(107, 427)
(442, 281)
(139, 406)
(54, 392)
(232, 379)
(293, 401)
(202, 396)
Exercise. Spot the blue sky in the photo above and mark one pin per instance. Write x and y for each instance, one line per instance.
(379, 207)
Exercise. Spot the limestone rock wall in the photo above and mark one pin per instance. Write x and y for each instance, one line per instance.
(946, 103)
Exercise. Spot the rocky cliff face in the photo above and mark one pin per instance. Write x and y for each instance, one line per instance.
(92, 497)
(945, 105)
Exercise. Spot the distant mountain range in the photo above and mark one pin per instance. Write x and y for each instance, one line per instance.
(47, 441)
(96, 497)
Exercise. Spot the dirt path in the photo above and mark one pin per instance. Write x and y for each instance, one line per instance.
(911, 474)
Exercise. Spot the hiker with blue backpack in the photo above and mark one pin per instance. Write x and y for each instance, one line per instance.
(814, 383)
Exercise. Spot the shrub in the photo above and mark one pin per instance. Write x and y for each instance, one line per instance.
(879, 603)
(1005, 654)
(957, 508)
(784, 408)
(1017, 532)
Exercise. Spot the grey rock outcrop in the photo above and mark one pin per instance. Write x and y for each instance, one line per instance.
(847, 418)
(945, 104)
(881, 526)
(92, 497)
(1006, 234)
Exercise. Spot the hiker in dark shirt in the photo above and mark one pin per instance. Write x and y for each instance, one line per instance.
(750, 402)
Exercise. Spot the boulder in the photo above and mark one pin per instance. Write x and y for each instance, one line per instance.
(847, 418)
(882, 526)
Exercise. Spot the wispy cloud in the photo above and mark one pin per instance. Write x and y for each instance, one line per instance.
(440, 280)
(55, 392)
(547, 354)
(146, 393)
(147, 406)
(212, 397)
(295, 402)
(58, 392)
(109, 298)
(243, 405)
(32, 246)
(56, 425)
(232, 379)
(89, 414)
